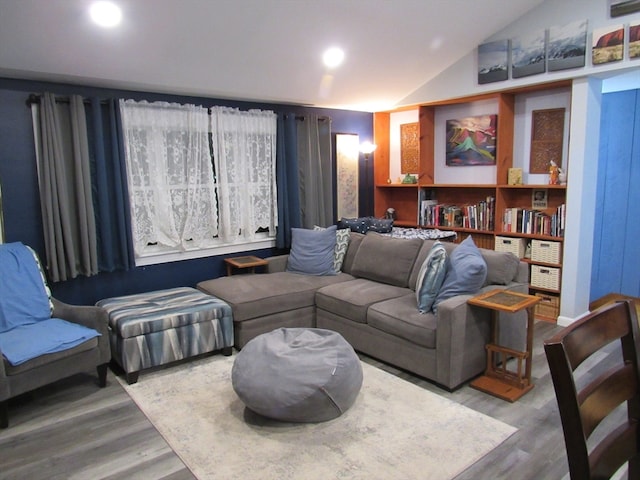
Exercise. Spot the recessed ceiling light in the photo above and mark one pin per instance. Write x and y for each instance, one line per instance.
(333, 57)
(106, 14)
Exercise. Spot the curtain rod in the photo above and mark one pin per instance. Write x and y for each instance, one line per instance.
(321, 118)
(35, 98)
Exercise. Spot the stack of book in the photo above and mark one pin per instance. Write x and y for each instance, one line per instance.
(478, 216)
(535, 222)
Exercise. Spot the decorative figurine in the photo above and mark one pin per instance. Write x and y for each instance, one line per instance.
(553, 173)
(562, 176)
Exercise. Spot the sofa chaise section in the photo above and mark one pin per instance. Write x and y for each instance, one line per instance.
(262, 302)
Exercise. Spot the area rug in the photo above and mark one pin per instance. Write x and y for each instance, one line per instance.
(393, 430)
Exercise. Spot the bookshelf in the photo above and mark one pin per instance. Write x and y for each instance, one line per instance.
(477, 206)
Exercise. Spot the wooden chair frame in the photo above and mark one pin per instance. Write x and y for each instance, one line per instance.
(581, 411)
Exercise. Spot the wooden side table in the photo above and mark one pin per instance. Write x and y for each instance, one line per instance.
(498, 380)
(248, 262)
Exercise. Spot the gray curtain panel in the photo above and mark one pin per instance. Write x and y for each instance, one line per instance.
(315, 171)
(65, 189)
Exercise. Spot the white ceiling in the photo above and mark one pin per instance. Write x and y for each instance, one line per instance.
(266, 50)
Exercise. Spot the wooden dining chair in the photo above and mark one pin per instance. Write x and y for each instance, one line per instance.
(584, 402)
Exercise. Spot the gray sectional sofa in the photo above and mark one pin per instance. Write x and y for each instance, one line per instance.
(372, 303)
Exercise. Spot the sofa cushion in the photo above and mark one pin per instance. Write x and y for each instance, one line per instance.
(399, 317)
(502, 267)
(253, 296)
(352, 299)
(312, 251)
(431, 277)
(466, 272)
(386, 259)
(355, 239)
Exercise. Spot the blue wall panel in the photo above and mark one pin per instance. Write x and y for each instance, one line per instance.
(21, 202)
(617, 230)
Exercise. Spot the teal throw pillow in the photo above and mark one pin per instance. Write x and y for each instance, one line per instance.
(466, 272)
(343, 236)
(312, 251)
(431, 276)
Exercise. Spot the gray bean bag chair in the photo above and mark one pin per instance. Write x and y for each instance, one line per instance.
(297, 375)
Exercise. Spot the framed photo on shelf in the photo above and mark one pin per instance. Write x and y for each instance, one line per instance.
(539, 199)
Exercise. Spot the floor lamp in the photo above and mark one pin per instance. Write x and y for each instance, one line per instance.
(367, 148)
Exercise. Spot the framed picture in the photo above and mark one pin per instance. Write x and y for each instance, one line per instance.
(539, 199)
(567, 46)
(493, 59)
(634, 41)
(608, 45)
(547, 137)
(409, 148)
(347, 159)
(471, 141)
(617, 8)
(528, 55)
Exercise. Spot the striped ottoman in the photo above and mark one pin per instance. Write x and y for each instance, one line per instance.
(156, 328)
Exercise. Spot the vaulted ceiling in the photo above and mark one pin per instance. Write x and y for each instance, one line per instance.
(266, 50)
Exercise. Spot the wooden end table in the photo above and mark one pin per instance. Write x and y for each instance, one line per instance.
(498, 380)
(248, 262)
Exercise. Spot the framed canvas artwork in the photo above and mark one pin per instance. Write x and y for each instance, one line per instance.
(567, 46)
(608, 45)
(471, 141)
(634, 41)
(528, 54)
(347, 157)
(493, 59)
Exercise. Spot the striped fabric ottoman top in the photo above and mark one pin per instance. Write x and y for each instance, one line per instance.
(144, 313)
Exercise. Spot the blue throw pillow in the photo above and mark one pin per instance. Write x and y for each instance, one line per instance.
(312, 251)
(431, 277)
(466, 272)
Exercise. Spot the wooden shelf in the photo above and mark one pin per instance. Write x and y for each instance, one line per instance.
(405, 197)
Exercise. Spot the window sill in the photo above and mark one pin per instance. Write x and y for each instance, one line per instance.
(176, 256)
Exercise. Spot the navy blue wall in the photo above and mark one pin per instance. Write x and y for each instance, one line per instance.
(616, 249)
(21, 202)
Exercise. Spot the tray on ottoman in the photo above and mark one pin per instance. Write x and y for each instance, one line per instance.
(160, 327)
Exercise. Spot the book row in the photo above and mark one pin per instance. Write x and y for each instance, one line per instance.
(538, 222)
(478, 216)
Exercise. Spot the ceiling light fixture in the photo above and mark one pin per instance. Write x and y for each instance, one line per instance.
(333, 57)
(106, 14)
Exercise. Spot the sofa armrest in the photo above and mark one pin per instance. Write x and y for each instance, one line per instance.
(461, 335)
(277, 263)
(89, 316)
(522, 274)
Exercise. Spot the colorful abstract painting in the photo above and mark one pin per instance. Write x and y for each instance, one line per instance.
(472, 141)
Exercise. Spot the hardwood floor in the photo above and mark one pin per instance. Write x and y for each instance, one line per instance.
(74, 430)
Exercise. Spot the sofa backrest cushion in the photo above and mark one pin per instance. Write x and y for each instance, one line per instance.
(502, 267)
(355, 239)
(386, 259)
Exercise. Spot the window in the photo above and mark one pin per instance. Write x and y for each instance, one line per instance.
(192, 187)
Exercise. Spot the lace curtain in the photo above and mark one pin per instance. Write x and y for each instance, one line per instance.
(171, 186)
(244, 151)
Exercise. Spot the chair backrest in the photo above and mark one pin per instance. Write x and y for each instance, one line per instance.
(584, 402)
